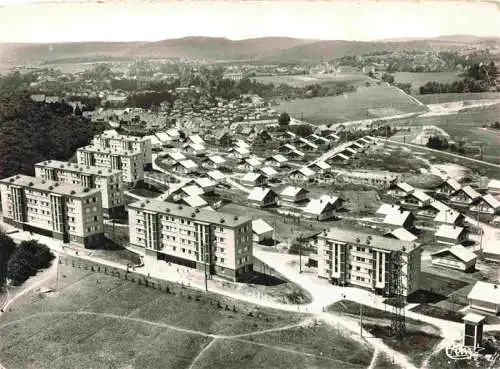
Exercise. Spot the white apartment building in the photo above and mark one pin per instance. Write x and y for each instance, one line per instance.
(66, 211)
(354, 258)
(125, 143)
(168, 232)
(131, 164)
(109, 181)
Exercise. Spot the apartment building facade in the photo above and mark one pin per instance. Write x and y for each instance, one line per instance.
(125, 143)
(200, 239)
(353, 258)
(131, 164)
(109, 181)
(65, 211)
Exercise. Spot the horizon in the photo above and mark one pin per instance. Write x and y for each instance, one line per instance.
(396, 39)
(131, 21)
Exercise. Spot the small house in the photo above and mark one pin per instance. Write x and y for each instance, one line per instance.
(455, 257)
(486, 204)
(269, 172)
(173, 157)
(448, 188)
(194, 201)
(185, 166)
(195, 140)
(401, 234)
(400, 189)
(214, 162)
(292, 194)
(253, 179)
(450, 217)
(206, 184)
(195, 149)
(318, 209)
(337, 202)
(401, 219)
(465, 196)
(450, 235)
(277, 161)
(217, 176)
(263, 197)
(494, 187)
(320, 167)
(302, 174)
(485, 296)
(261, 230)
(385, 209)
(416, 199)
(295, 155)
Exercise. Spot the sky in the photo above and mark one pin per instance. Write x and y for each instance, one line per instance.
(150, 20)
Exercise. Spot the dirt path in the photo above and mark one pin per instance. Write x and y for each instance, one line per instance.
(200, 354)
(374, 359)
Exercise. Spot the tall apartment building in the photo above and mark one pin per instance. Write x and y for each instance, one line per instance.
(109, 181)
(125, 143)
(65, 211)
(168, 232)
(131, 164)
(354, 258)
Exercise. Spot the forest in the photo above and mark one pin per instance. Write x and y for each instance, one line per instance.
(30, 132)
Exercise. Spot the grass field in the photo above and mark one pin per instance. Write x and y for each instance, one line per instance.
(444, 98)
(303, 80)
(98, 321)
(467, 125)
(420, 79)
(365, 103)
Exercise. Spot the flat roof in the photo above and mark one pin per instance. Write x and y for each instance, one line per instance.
(184, 211)
(59, 188)
(368, 240)
(120, 152)
(473, 318)
(73, 167)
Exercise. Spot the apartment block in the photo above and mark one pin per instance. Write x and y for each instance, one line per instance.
(109, 181)
(131, 164)
(207, 240)
(368, 261)
(65, 211)
(125, 143)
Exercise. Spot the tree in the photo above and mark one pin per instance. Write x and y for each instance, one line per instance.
(7, 248)
(389, 78)
(284, 119)
(26, 260)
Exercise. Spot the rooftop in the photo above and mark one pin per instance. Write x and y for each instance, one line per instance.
(184, 211)
(449, 231)
(60, 188)
(366, 239)
(259, 226)
(119, 152)
(73, 167)
(485, 291)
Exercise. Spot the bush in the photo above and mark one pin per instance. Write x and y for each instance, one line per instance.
(7, 249)
(27, 259)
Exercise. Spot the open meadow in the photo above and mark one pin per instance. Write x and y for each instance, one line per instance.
(420, 79)
(302, 80)
(98, 321)
(450, 97)
(365, 103)
(467, 126)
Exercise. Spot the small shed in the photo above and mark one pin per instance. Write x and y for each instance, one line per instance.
(485, 296)
(261, 230)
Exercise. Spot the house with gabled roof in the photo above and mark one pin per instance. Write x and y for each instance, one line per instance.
(455, 257)
(401, 219)
(196, 140)
(276, 161)
(385, 209)
(173, 157)
(450, 217)
(448, 187)
(338, 159)
(269, 172)
(401, 234)
(336, 201)
(250, 164)
(494, 187)
(293, 194)
(416, 199)
(431, 210)
(195, 149)
(486, 204)
(195, 201)
(485, 296)
(239, 152)
(287, 148)
(450, 234)
(295, 154)
(262, 197)
(217, 176)
(318, 209)
(302, 174)
(400, 189)
(333, 137)
(185, 166)
(254, 179)
(213, 162)
(320, 167)
(261, 230)
(465, 196)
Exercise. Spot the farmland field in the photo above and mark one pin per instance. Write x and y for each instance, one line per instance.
(467, 125)
(365, 103)
(444, 98)
(303, 80)
(98, 321)
(420, 79)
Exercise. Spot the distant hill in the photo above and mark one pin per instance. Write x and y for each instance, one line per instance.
(210, 48)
